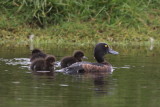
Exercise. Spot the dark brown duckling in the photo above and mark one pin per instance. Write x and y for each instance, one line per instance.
(43, 64)
(37, 53)
(69, 60)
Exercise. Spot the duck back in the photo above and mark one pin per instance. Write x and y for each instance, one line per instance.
(67, 61)
(86, 67)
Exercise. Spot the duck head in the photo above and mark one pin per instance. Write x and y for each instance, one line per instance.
(79, 55)
(100, 50)
(36, 51)
(50, 60)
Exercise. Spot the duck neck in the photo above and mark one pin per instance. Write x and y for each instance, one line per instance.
(99, 59)
(48, 66)
(99, 54)
(78, 59)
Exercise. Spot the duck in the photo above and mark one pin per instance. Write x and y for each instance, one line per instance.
(37, 53)
(43, 64)
(78, 55)
(100, 50)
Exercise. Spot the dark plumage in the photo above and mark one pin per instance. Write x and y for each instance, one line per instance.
(101, 66)
(36, 53)
(69, 60)
(43, 64)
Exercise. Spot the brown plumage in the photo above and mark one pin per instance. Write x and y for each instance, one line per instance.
(95, 68)
(37, 53)
(69, 60)
(43, 64)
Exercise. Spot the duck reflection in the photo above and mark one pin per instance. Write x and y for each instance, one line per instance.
(101, 85)
(101, 82)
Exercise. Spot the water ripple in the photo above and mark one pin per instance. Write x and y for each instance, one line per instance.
(23, 62)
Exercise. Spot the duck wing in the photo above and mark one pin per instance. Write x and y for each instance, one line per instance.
(82, 67)
(74, 68)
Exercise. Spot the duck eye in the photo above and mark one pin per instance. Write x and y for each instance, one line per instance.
(106, 46)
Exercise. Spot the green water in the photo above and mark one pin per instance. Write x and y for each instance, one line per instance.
(133, 83)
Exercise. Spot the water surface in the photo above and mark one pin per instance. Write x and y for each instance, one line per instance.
(133, 83)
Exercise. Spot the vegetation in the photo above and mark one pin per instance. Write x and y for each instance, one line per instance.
(79, 21)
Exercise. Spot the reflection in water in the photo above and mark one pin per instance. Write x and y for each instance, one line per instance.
(50, 74)
(100, 81)
(63, 85)
(101, 85)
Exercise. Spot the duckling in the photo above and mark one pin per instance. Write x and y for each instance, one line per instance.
(43, 64)
(101, 65)
(69, 60)
(37, 53)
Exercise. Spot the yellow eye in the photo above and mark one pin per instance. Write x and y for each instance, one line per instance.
(106, 46)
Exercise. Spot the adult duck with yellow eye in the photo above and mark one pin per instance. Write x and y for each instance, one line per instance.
(100, 50)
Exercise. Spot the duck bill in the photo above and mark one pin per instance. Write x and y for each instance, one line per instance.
(113, 52)
(52, 63)
(84, 57)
